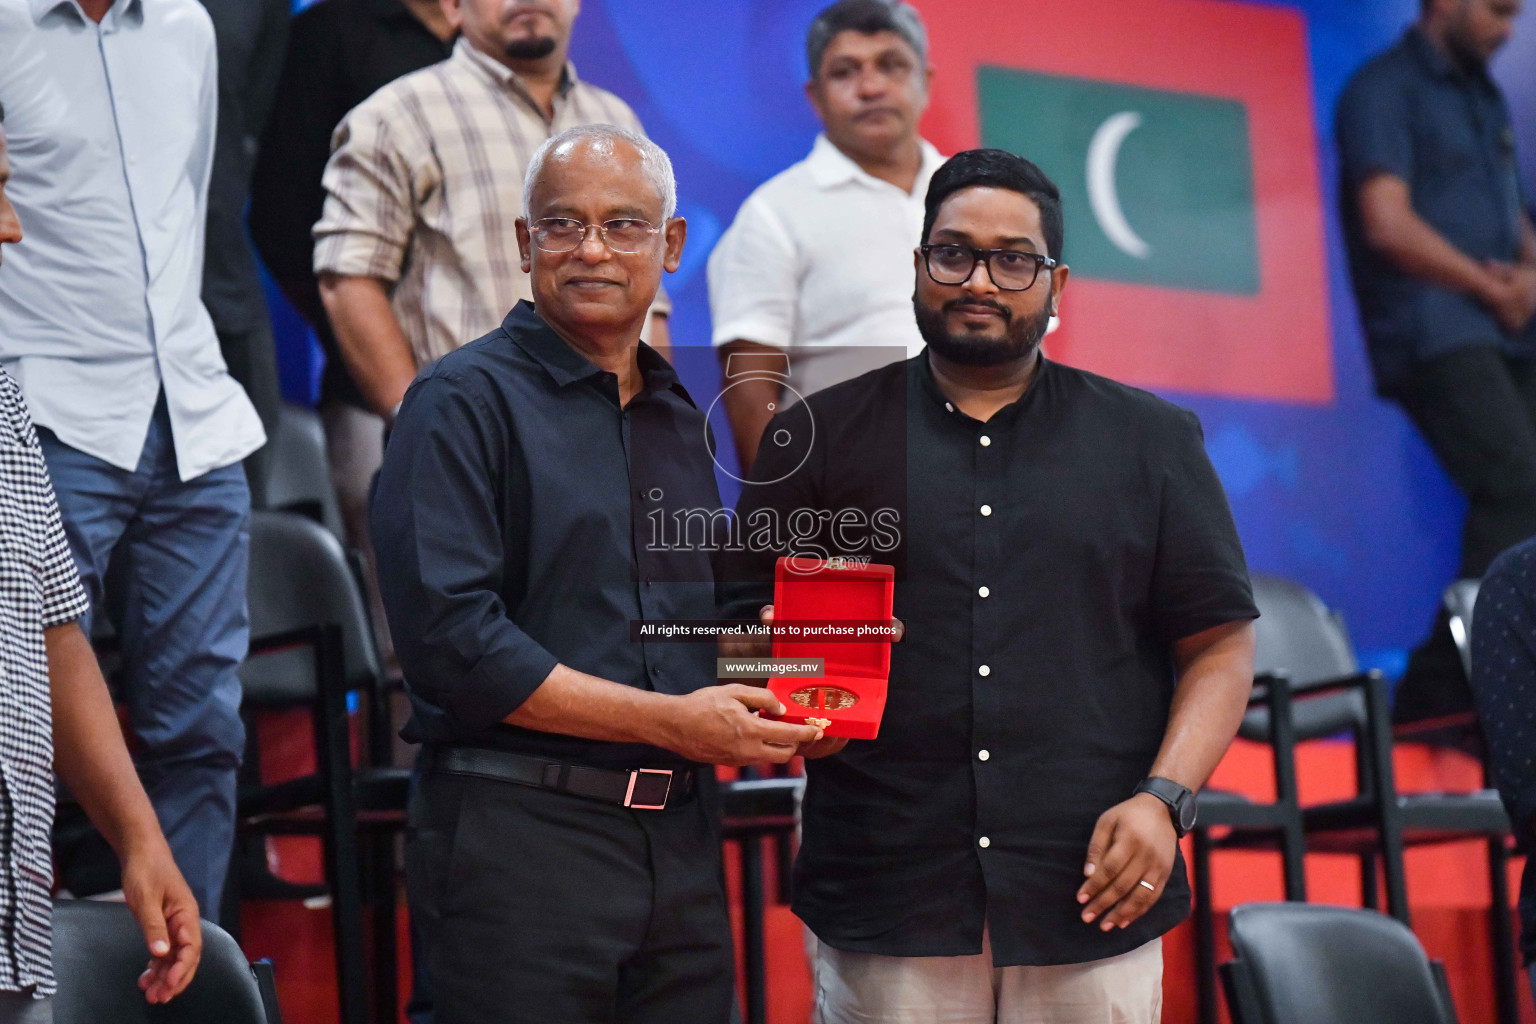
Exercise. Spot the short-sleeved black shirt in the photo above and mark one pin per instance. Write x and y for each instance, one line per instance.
(511, 522)
(1412, 113)
(1047, 560)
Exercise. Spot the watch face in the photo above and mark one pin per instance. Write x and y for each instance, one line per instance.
(1187, 812)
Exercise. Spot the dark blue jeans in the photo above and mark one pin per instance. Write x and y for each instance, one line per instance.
(178, 553)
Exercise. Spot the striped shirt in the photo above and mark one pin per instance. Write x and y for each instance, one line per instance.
(424, 185)
(39, 589)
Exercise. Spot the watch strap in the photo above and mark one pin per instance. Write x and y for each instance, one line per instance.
(1171, 793)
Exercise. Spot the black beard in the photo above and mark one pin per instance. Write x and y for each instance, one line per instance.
(531, 49)
(1020, 337)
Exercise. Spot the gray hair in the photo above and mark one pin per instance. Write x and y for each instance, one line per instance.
(654, 161)
(866, 17)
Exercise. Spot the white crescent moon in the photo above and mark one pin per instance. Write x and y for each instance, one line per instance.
(1103, 152)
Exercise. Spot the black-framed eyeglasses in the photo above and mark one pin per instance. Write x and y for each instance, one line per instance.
(563, 234)
(1012, 270)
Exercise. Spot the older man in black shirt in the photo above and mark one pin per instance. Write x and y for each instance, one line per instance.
(1078, 649)
(563, 859)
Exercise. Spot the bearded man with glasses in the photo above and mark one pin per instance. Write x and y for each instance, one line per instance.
(563, 857)
(1077, 655)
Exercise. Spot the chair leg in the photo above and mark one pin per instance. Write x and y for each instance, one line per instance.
(1370, 899)
(334, 763)
(1205, 929)
(1393, 871)
(1293, 861)
(754, 948)
(386, 963)
(1501, 934)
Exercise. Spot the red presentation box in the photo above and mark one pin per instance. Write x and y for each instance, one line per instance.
(849, 698)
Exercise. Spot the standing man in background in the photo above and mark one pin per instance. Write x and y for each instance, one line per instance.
(1443, 256)
(815, 260)
(415, 249)
(340, 52)
(110, 114)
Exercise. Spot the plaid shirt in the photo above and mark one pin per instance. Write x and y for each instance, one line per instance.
(38, 589)
(425, 182)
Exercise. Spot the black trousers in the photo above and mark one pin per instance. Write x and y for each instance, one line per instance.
(1477, 409)
(538, 907)
(251, 355)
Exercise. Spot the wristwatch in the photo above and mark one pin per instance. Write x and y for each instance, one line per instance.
(1181, 802)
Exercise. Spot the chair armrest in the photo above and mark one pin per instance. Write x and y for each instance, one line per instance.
(1427, 726)
(304, 636)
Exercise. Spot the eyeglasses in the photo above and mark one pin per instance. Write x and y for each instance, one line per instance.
(1010, 269)
(563, 234)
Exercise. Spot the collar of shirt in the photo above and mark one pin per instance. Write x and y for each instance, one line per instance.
(566, 366)
(831, 167)
(1439, 64)
(1004, 418)
(390, 10)
(124, 12)
(505, 76)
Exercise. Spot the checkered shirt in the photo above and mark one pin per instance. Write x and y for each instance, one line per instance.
(38, 589)
(424, 185)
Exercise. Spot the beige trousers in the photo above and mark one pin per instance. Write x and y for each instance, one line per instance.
(863, 988)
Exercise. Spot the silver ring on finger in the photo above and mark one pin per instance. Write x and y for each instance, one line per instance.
(1147, 885)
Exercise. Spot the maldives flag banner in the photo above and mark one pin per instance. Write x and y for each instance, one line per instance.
(1182, 136)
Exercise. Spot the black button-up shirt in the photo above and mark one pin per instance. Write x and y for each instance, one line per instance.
(1048, 559)
(1504, 683)
(511, 522)
(340, 52)
(1412, 113)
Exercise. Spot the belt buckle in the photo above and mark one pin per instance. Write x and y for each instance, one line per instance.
(634, 776)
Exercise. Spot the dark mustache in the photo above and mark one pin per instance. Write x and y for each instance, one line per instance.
(1007, 313)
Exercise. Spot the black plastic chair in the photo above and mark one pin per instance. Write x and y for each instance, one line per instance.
(1301, 964)
(1247, 823)
(98, 955)
(299, 471)
(751, 810)
(1459, 599)
(1332, 696)
(314, 644)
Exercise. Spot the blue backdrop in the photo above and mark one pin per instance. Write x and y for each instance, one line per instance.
(1343, 497)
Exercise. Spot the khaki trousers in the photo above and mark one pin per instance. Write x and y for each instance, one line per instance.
(864, 988)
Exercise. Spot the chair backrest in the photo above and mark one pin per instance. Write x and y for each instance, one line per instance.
(299, 472)
(1299, 637)
(1300, 963)
(1459, 599)
(300, 577)
(98, 955)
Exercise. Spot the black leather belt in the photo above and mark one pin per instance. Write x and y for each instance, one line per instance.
(640, 789)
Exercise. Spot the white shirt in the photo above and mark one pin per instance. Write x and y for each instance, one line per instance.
(820, 257)
(109, 130)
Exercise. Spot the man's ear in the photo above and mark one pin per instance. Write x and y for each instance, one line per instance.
(676, 233)
(524, 240)
(813, 96)
(454, 13)
(1058, 285)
